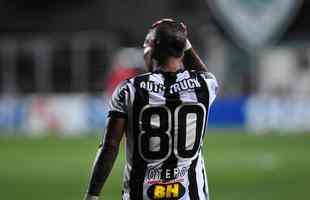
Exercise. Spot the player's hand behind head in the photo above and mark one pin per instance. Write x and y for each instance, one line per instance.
(168, 20)
(150, 37)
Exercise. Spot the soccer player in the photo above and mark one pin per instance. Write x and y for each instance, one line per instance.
(164, 117)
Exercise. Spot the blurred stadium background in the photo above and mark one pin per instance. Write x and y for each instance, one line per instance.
(60, 60)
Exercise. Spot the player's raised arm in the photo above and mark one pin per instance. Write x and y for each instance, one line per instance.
(193, 61)
(106, 156)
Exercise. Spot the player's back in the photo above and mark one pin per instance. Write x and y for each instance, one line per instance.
(166, 121)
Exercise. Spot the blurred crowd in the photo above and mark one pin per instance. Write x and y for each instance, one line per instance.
(61, 60)
(66, 50)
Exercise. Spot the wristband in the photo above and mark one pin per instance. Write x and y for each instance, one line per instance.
(188, 45)
(90, 197)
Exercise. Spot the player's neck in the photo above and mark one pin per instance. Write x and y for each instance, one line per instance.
(172, 65)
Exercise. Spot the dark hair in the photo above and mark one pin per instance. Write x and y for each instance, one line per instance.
(170, 40)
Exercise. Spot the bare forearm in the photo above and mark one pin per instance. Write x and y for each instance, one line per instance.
(193, 61)
(105, 159)
(106, 156)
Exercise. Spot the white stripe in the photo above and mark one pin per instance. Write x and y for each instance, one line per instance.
(132, 91)
(187, 163)
(130, 137)
(89, 197)
(212, 86)
(206, 183)
(157, 98)
(126, 179)
(200, 177)
(183, 75)
(188, 95)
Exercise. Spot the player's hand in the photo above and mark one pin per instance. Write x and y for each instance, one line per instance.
(150, 37)
(184, 27)
(188, 43)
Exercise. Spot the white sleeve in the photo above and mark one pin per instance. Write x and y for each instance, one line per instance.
(120, 99)
(212, 86)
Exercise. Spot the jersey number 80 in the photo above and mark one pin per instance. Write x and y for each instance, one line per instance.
(156, 124)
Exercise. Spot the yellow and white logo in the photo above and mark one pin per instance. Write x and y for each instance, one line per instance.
(166, 191)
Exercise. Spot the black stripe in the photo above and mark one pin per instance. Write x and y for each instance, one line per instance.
(139, 166)
(204, 180)
(202, 94)
(203, 174)
(192, 187)
(172, 101)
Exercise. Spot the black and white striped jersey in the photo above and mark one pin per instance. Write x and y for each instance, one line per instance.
(166, 121)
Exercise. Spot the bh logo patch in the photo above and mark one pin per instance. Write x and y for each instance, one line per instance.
(172, 191)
